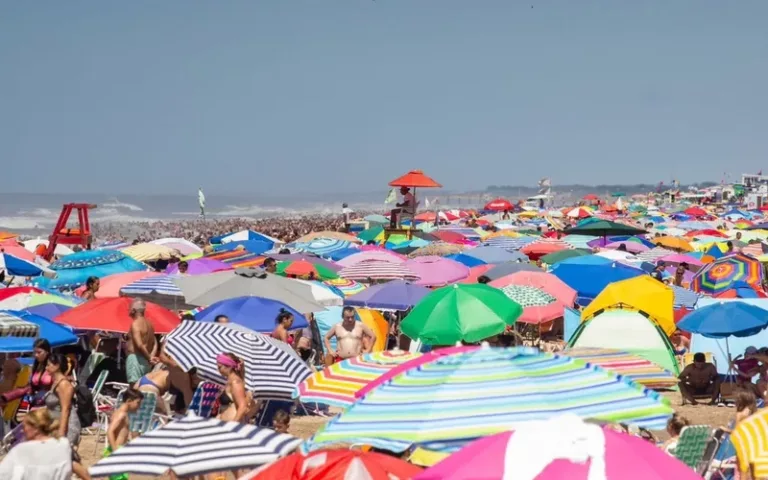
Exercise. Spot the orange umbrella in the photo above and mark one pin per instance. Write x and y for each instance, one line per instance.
(675, 243)
(414, 178)
(7, 235)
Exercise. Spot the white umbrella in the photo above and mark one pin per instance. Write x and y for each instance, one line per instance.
(322, 294)
(184, 246)
(195, 446)
(60, 250)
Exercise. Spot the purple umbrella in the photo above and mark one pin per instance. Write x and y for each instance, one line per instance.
(632, 247)
(434, 271)
(199, 266)
(394, 295)
(293, 257)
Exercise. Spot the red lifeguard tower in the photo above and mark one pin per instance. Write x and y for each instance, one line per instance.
(62, 235)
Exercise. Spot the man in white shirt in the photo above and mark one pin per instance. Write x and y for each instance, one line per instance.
(407, 206)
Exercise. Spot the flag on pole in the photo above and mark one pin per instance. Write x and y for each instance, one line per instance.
(391, 197)
(426, 203)
(201, 201)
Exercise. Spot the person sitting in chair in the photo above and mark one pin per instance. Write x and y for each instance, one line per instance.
(699, 379)
(408, 205)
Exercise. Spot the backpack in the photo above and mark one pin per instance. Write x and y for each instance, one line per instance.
(86, 410)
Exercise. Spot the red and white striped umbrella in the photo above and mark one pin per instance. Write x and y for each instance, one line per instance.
(378, 270)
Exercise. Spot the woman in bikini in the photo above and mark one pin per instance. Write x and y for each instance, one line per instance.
(234, 402)
(284, 322)
(39, 382)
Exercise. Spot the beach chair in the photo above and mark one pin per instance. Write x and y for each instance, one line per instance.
(205, 399)
(142, 420)
(90, 365)
(407, 215)
(22, 380)
(99, 402)
(697, 447)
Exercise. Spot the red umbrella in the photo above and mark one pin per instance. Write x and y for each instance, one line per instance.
(414, 178)
(449, 236)
(11, 291)
(476, 272)
(591, 197)
(111, 315)
(336, 465)
(695, 211)
(709, 232)
(499, 205)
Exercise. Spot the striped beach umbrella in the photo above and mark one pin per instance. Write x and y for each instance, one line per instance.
(346, 286)
(509, 243)
(378, 270)
(721, 274)
(634, 367)
(441, 401)
(272, 368)
(13, 326)
(195, 446)
(158, 285)
(321, 247)
(337, 385)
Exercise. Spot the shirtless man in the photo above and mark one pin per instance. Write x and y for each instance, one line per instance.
(349, 338)
(141, 347)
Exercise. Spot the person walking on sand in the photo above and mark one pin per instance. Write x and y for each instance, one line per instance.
(349, 335)
(141, 347)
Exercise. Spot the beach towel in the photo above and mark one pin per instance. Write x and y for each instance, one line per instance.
(136, 367)
(108, 452)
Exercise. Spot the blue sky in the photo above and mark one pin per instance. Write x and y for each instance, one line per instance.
(268, 96)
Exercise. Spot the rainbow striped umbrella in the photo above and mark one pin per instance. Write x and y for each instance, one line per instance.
(346, 286)
(442, 401)
(635, 368)
(336, 385)
(720, 275)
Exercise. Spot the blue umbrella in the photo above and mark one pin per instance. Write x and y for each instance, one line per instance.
(343, 253)
(723, 319)
(467, 260)
(394, 295)
(255, 313)
(48, 310)
(254, 246)
(57, 335)
(590, 279)
(20, 267)
(73, 270)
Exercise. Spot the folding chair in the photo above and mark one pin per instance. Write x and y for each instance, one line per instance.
(205, 399)
(99, 402)
(696, 447)
(90, 365)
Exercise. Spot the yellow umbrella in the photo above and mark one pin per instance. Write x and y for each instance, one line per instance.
(327, 234)
(376, 322)
(503, 233)
(675, 243)
(149, 252)
(750, 440)
(528, 214)
(643, 293)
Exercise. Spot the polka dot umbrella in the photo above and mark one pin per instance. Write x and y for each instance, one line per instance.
(538, 305)
(721, 274)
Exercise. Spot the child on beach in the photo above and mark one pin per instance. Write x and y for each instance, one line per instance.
(281, 421)
(118, 432)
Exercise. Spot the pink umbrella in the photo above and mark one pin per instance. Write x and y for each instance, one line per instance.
(475, 272)
(375, 255)
(632, 247)
(542, 280)
(562, 447)
(200, 266)
(678, 258)
(437, 271)
(379, 248)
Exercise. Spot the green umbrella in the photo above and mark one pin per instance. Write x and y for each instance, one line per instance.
(469, 313)
(558, 257)
(370, 234)
(303, 268)
(603, 228)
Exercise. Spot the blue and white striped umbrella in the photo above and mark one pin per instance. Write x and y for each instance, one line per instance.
(272, 368)
(685, 298)
(195, 446)
(321, 247)
(509, 243)
(653, 254)
(160, 284)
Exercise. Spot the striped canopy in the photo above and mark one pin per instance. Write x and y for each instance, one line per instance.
(13, 326)
(346, 286)
(634, 367)
(336, 385)
(509, 243)
(321, 247)
(378, 270)
(441, 402)
(721, 274)
(272, 368)
(195, 446)
(161, 285)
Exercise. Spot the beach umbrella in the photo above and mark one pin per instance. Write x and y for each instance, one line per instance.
(57, 335)
(213, 287)
(111, 315)
(324, 294)
(616, 255)
(642, 293)
(199, 266)
(196, 446)
(634, 367)
(750, 441)
(476, 272)
(25, 300)
(109, 286)
(377, 270)
(394, 295)
(326, 235)
(245, 235)
(655, 254)
(499, 205)
(48, 310)
(307, 257)
(674, 243)
(603, 228)
(436, 271)
(538, 306)
(18, 251)
(371, 255)
(150, 252)
(466, 260)
(251, 246)
(414, 178)
(59, 251)
(721, 274)
(723, 319)
(256, 313)
(272, 368)
(509, 243)
(509, 268)
(321, 247)
(302, 268)
(444, 399)
(545, 246)
(579, 212)
(490, 254)
(346, 286)
(13, 326)
(158, 289)
(10, 292)
(337, 385)
(73, 270)
(553, 258)
(467, 312)
(338, 464)
(631, 247)
(532, 451)
(740, 290)
(590, 280)
(541, 280)
(438, 248)
(684, 298)
(182, 245)
(579, 241)
(19, 267)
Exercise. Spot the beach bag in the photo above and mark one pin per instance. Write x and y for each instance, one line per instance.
(86, 410)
